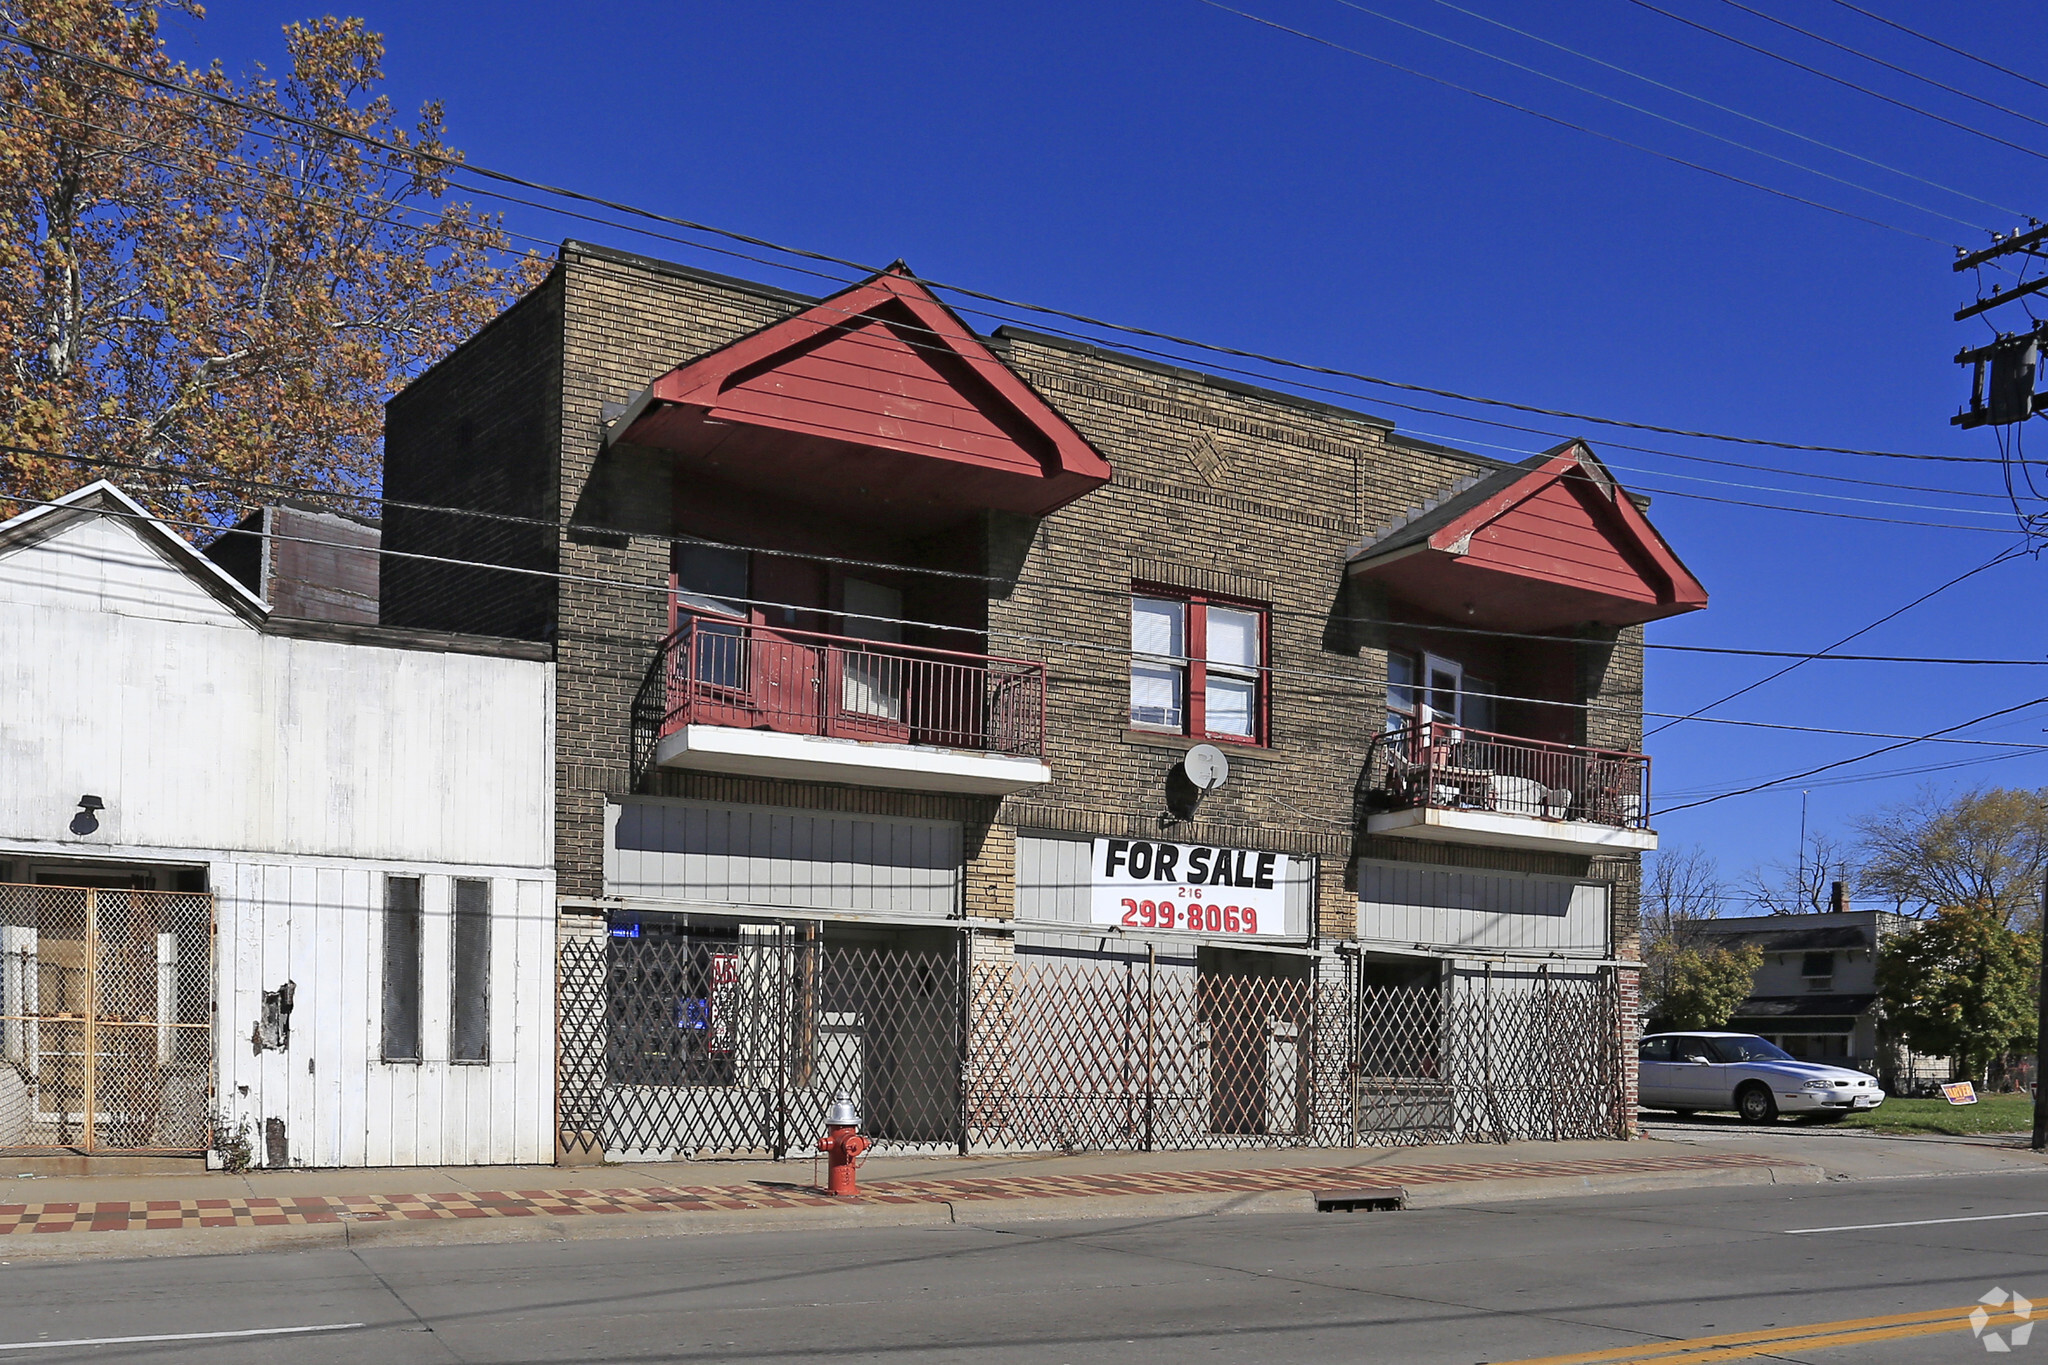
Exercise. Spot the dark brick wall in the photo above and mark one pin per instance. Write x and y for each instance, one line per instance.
(475, 433)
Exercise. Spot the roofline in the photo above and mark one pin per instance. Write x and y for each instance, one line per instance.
(1007, 333)
(690, 272)
(1408, 442)
(84, 501)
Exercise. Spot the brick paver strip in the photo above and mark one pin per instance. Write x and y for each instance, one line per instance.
(163, 1214)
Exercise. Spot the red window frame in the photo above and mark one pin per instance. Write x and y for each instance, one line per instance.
(1196, 665)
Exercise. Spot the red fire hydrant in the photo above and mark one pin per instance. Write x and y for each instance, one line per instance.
(842, 1145)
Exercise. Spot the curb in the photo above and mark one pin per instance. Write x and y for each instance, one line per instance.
(1453, 1194)
(28, 1248)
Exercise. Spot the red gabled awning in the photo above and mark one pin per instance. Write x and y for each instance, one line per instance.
(1550, 544)
(880, 393)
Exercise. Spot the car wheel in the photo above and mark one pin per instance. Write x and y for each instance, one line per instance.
(1755, 1104)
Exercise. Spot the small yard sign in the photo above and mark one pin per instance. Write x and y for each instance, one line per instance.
(1959, 1092)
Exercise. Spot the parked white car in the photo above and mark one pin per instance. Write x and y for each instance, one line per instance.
(1757, 1079)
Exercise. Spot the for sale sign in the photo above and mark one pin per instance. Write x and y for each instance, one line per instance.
(1194, 888)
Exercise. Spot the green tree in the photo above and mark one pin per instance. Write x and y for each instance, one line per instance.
(1985, 847)
(1702, 985)
(1960, 985)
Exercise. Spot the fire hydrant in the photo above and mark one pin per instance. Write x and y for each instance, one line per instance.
(842, 1145)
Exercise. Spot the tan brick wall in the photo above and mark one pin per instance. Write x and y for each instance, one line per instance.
(1217, 489)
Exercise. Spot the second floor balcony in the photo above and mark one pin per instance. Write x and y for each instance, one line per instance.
(738, 697)
(1451, 783)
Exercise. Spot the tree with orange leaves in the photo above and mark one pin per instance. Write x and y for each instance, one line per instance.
(215, 290)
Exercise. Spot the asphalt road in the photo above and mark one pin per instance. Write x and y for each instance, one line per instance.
(1626, 1276)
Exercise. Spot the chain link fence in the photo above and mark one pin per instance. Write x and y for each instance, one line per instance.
(677, 1045)
(106, 1019)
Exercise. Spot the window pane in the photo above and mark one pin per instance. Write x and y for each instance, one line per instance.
(1401, 682)
(1156, 695)
(712, 570)
(1478, 704)
(1230, 702)
(470, 993)
(1158, 627)
(1233, 637)
(402, 968)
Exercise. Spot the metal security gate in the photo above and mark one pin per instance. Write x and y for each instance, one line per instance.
(1491, 1056)
(675, 1045)
(679, 1044)
(1132, 1055)
(106, 1019)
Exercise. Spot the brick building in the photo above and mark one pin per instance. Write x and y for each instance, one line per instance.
(893, 662)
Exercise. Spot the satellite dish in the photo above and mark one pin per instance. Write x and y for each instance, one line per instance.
(1206, 767)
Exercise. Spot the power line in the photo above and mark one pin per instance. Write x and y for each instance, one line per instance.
(1726, 109)
(1666, 118)
(1838, 80)
(558, 526)
(1575, 127)
(555, 525)
(1916, 33)
(1352, 683)
(1888, 773)
(2001, 557)
(1859, 758)
(1879, 61)
(416, 155)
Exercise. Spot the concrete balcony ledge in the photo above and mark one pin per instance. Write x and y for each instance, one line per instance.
(861, 763)
(1493, 829)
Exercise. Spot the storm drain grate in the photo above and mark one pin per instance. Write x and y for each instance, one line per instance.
(1370, 1198)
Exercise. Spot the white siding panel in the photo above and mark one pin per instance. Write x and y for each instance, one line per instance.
(813, 860)
(1409, 905)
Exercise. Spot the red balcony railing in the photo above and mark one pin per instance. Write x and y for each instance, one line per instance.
(732, 673)
(1454, 767)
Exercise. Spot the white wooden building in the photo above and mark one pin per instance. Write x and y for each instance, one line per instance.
(363, 814)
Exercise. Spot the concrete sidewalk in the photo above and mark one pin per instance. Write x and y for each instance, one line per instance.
(166, 1212)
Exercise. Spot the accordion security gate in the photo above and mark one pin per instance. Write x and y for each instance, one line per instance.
(674, 1046)
(1485, 1056)
(106, 1029)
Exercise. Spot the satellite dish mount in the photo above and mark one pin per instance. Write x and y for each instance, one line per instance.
(1200, 771)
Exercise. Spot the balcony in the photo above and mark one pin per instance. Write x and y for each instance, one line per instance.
(728, 696)
(1454, 784)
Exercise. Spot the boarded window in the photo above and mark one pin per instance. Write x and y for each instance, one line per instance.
(470, 999)
(401, 969)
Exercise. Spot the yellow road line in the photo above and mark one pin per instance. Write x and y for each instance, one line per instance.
(1808, 1336)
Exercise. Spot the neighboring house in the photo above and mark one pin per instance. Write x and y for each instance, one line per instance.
(264, 878)
(1816, 993)
(894, 790)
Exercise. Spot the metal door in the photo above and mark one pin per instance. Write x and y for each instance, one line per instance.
(106, 1028)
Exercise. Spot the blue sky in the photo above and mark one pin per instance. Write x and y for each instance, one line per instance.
(1171, 164)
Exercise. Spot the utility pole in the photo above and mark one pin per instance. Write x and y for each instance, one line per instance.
(2012, 358)
(2041, 1029)
(1801, 878)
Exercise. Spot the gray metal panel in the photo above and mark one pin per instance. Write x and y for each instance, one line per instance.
(754, 855)
(1453, 908)
(1301, 896)
(1052, 879)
